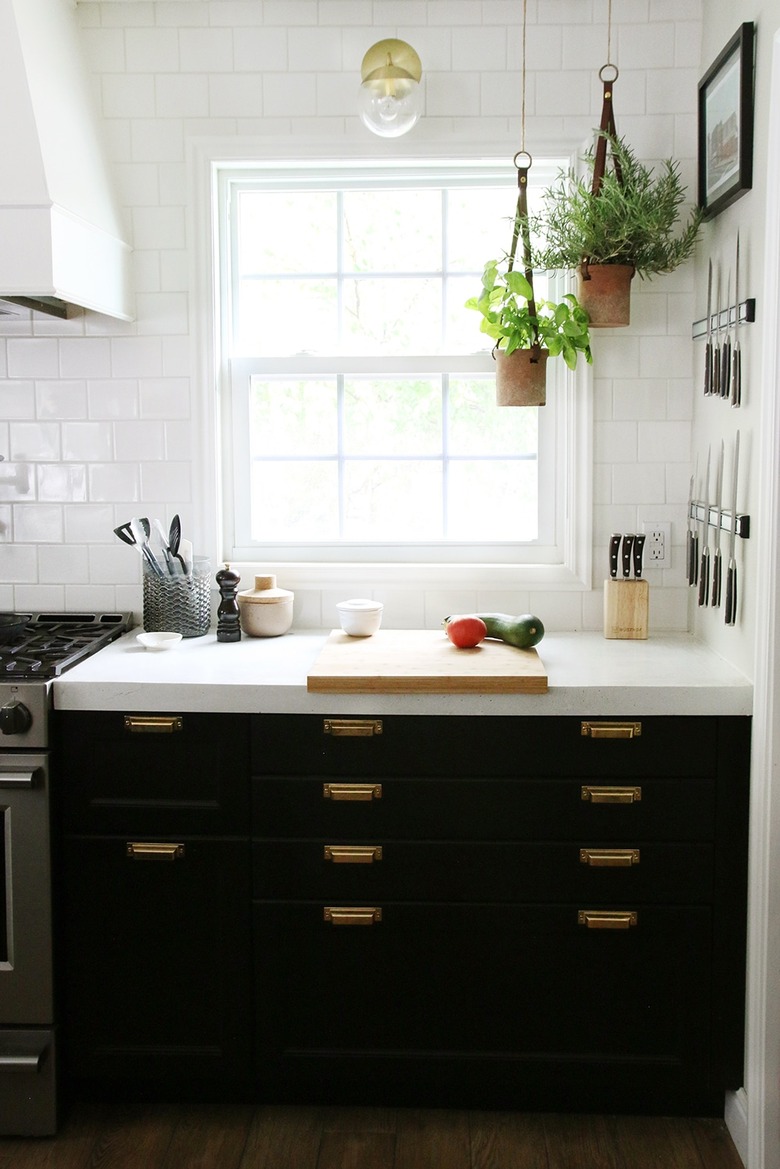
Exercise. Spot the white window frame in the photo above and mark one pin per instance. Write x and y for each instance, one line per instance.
(572, 390)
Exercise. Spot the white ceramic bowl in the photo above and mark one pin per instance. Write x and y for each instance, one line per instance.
(360, 617)
(158, 641)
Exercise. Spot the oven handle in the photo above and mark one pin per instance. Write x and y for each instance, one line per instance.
(24, 1055)
(16, 778)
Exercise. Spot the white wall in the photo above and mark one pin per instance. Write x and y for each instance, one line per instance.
(97, 419)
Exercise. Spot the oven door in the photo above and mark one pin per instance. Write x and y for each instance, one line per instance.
(25, 891)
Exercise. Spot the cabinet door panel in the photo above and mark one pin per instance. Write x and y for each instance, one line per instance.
(473, 808)
(526, 984)
(155, 963)
(115, 778)
(488, 871)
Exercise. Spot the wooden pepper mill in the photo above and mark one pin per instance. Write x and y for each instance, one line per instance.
(228, 613)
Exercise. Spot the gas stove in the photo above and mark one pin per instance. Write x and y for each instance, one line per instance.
(45, 647)
(51, 643)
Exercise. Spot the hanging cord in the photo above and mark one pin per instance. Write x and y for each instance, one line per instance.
(607, 126)
(521, 225)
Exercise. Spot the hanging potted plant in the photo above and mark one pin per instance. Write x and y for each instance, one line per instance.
(630, 222)
(526, 332)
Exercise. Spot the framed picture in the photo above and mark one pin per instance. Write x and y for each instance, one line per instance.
(726, 125)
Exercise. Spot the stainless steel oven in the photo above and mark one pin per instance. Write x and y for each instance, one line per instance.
(43, 648)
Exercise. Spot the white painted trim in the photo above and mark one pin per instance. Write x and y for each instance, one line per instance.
(762, 1069)
(736, 1117)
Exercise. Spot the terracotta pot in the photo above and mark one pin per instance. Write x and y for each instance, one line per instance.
(521, 377)
(605, 294)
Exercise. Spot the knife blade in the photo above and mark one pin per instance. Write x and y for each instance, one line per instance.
(704, 567)
(736, 355)
(639, 548)
(717, 559)
(708, 344)
(725, 355)
(716, 362)
(731, 571)
(628, 543)
(614, 547)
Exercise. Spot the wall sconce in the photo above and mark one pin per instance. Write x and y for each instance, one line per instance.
(390, 98)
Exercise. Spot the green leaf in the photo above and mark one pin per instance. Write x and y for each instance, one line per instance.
(517, 283)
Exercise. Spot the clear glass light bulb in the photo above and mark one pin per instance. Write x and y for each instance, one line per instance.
(391, 107)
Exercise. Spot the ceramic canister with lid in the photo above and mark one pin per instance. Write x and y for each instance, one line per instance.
(266, 611)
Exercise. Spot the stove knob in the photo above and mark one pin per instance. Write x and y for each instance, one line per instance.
(15, 718)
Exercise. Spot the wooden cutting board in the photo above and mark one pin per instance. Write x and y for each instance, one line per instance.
(423, 661)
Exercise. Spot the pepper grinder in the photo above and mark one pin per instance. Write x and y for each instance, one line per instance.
(228, 613)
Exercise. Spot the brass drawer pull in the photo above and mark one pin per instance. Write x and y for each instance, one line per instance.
(353, 854)
(610, 795)
(144, 851)
(607, 919)
(153, 724)
(362, 728)
(351, 915)
(610, 730)
(351, 792)
(609, 858)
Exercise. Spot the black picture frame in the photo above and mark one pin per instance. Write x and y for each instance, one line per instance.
(726, 124)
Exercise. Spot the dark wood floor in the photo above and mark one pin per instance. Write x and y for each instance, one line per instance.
(225, 1137)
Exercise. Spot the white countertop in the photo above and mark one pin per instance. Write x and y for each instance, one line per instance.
(588, 675)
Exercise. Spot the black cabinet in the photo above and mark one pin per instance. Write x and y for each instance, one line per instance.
(521, 913)
(154, 921)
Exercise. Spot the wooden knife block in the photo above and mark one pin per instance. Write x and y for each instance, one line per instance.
(626, 608)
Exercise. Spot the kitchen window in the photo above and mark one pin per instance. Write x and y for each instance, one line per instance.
(358, 413)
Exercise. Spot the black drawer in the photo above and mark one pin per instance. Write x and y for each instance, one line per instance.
(495, 872)
(153, 773)
(484, 809)
(495, 746)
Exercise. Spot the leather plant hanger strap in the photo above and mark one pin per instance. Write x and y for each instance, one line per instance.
(607, 129)
(522, 229)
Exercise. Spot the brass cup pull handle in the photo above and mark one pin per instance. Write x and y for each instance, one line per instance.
(607, 919)
(146, 851)
(353, 854)
(611, 730)
(609, 858)
(351, 915)
(610, 795)
(352, 792)
(153, 724)
(361, 728)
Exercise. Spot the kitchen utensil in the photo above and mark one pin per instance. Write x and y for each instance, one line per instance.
(731, 571)
(185, 555)
(736, 356)
(174, 540)
(693, 532)
(717, 559)
(639, 548)
(614, 548)
(708, 348)
(725, 353)
(716, 360)
(138, 532)
(171, 563)
(627, 545)
(704, 567)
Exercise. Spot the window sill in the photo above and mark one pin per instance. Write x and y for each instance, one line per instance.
(496, 577)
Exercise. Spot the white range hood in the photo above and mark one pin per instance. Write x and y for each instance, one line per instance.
(61, 239)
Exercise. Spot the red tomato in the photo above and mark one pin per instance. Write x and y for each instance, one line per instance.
(466, 632)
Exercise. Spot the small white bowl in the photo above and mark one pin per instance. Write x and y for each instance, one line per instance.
(158, 641)
(360, 617)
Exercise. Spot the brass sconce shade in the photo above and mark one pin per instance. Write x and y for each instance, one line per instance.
(390, 98)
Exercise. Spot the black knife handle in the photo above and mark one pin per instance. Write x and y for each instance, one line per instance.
(614, 548)
(725, 373)
(693, 559)
(716, 364)
(731, 593)
(704, 577)
(716, 579)
(708, 368)
(628, 543)
(736, 376)
(639, 547)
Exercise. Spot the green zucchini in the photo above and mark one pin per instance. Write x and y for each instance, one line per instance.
(524, 631)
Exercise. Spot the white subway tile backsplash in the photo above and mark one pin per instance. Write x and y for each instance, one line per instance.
(114, 564)
(38, 523)
(63, 564)
(126, 95)
(34, 440)
(182, 96)
(136, 357)
(87, 441)
(256, 50)
(32, 357)
(663, 442)
(286, 95)
(139, 441)
(85, 357)
(113, 482)
(153, 140)
(63, 482)
(152, 50)
(164, 397)
(640, 483)
(91, 523)
(168, 480)
(17, 399)
(205, 50)
(113, 398)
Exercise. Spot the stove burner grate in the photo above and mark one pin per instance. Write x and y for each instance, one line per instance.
(50, 643)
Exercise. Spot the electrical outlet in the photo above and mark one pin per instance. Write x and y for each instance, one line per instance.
(658, 545)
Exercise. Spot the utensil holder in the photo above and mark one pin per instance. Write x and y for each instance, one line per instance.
(179, 604)
(626, 608)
